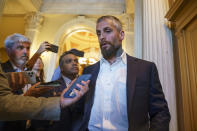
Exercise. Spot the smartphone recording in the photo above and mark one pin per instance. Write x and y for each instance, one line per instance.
(53, 48)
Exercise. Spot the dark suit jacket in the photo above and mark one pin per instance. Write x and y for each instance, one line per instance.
(146, 105)
(7, 67)
(69, 115)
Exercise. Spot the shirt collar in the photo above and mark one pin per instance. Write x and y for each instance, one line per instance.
(121, 57)
(15, 67)
(66, 80)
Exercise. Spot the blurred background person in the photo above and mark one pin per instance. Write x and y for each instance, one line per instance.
(57, 72)
(18, 49)
(38, 68)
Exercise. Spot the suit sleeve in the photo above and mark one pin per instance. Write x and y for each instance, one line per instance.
(158, 109)
(17, 107)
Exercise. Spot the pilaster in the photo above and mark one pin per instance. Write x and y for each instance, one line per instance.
(158, 47)
(33, 23)
(138, 29)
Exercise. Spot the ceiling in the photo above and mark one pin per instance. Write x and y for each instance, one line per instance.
(18, 7)
(68, 6)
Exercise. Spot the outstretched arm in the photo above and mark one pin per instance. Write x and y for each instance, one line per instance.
(17, 107)
(43, 47)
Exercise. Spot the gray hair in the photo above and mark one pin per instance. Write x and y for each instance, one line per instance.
(15, 38)
(117, 23)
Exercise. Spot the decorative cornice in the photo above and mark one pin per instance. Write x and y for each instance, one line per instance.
(185, 13)
(31, 5)
(37, 4)
(171, 25)
(83, 7)
(176, 6)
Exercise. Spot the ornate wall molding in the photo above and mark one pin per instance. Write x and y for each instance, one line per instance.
(171, 25)
(33, 20)
(31, 5)
(80, 7)
(173, 11)
(37, 4)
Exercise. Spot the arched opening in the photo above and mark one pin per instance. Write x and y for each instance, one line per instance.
(83, 40)
(78, 33)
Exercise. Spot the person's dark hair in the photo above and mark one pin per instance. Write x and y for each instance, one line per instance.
(72, 51)
(114, 19)
(42, 75)
(61, 57)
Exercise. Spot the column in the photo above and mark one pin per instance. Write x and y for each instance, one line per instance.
(138, 28)
(158, 47)
(33, 22)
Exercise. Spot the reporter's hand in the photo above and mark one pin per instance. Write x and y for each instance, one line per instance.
(69, 101)
(43, 47)
(37, 92)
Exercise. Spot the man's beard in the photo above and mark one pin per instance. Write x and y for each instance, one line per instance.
(21, 61)
(110, 52)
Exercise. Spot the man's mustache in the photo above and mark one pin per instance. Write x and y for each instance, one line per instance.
(25, 56)
(104, 43)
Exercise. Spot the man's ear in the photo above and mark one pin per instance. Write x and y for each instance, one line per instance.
(121, 35)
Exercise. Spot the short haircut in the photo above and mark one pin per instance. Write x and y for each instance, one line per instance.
(15, 38)
(62, 56)
(72, 51)
(114, 19)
